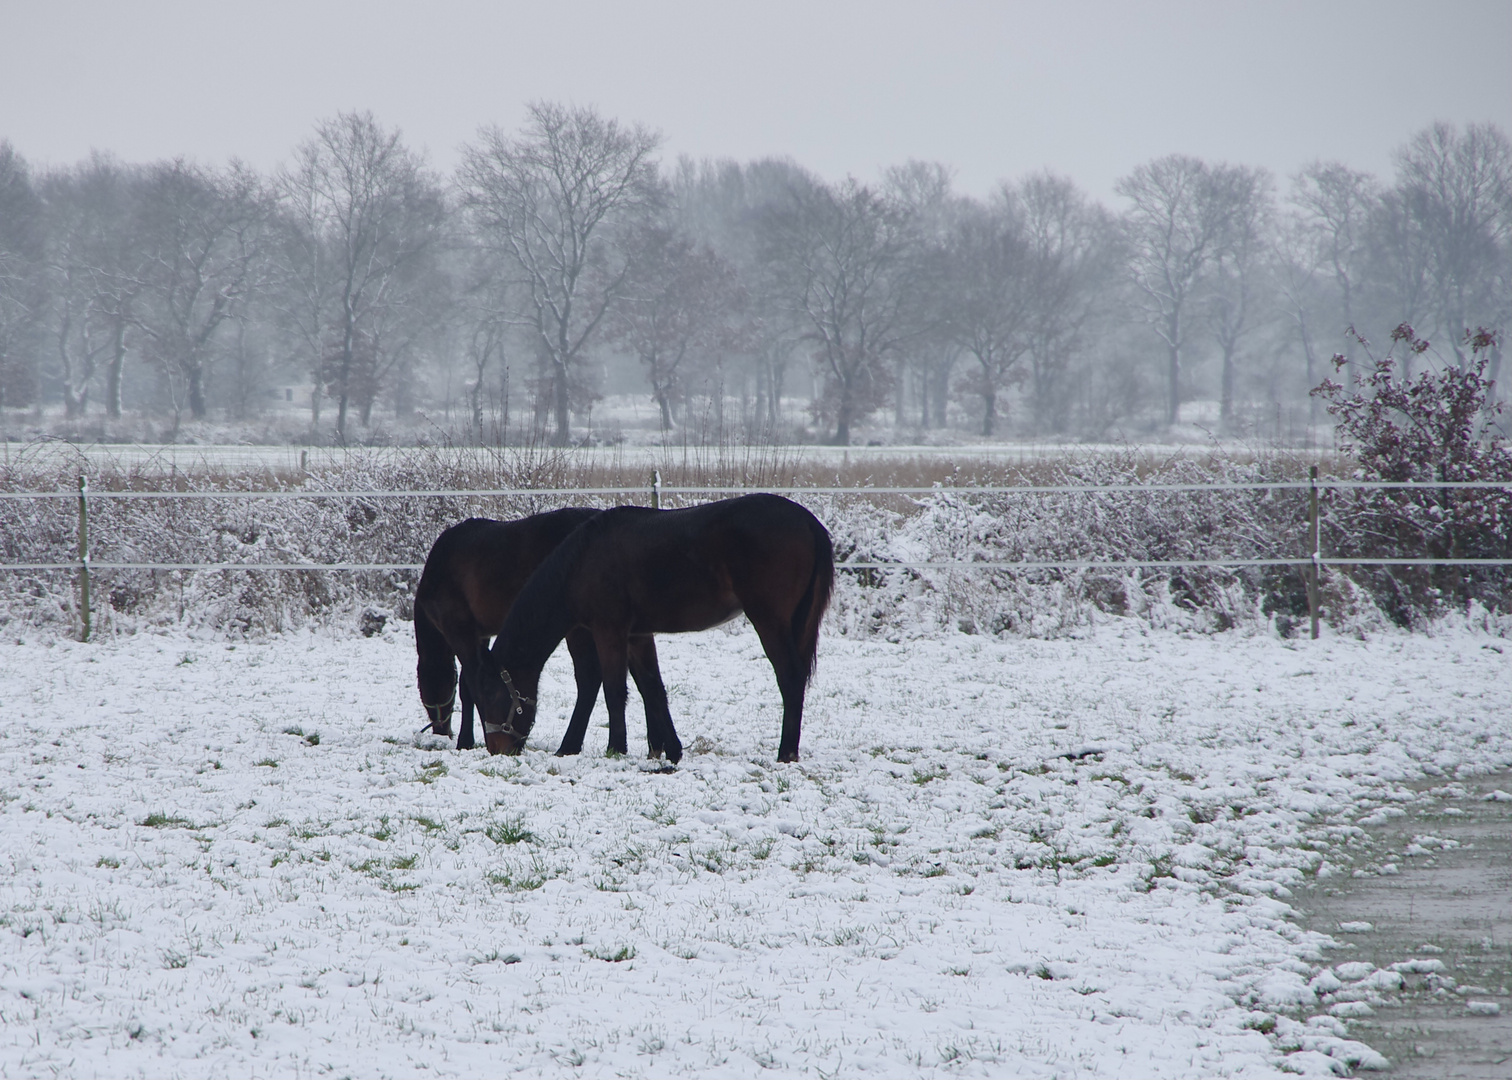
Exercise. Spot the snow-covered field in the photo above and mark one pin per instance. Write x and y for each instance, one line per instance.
(239, 860)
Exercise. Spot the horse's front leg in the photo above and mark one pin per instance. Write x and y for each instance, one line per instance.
(661, 735)
(465, 726)
(612, 648)
(585, 668)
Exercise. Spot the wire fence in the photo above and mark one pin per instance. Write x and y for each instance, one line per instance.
(657, 490)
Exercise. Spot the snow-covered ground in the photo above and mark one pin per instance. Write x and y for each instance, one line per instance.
(239, 860)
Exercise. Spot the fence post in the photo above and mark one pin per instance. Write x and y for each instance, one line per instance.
(1314, 544)
(656, 489)
(84, 554)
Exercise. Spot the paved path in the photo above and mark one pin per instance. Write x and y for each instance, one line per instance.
(1444, 902)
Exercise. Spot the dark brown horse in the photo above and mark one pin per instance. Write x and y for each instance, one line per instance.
(472, 575)
(633, 571)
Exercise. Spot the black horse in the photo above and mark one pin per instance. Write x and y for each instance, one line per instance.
(633, 571)
(472, 575)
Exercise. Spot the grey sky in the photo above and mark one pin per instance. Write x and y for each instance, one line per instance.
(1088, 88)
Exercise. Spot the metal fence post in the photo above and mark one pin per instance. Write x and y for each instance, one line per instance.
(84, 554)
(1314, 544)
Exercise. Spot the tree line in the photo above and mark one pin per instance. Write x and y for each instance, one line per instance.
(564, 258)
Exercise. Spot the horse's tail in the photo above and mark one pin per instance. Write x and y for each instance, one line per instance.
(815, 599)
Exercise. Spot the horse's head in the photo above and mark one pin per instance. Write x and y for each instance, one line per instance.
(508, 709)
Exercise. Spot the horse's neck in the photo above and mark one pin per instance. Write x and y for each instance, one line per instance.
(531, 646)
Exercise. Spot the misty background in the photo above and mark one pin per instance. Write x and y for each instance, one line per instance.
(361, 225)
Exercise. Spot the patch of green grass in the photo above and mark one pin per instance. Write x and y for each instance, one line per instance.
(313, 738)
(428, 824)
(384, 832)
(109, 862)
(274, 823)
(937, 870)
(494, 956)
(165, 821)
(432, 771)
(271, 763)
(172, 959)
(293, 731)
(517, 879)
(391, 740)
(623, 953)
(1107, 859)
(937, 773)
(509, 831)
(403, 862)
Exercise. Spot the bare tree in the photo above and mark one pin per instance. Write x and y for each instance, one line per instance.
(988, 297)
(1457, 189)
(841, 258)
(22, 289)
(683, 305)
(99, 263)
(1336, 205)
(555, 203)
(729, 208)
(1237, 277)
(925, 190)
(204, 230)
(1172, 230)
(364, 210)
(1072, 253)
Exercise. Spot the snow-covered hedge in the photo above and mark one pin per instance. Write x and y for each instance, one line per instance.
(955, 524)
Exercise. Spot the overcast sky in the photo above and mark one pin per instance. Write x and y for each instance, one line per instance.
(994, 90)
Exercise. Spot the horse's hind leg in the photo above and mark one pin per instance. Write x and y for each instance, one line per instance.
(465, 726)
(585, 668)
(471, 665)
(792, 676)
(612, 650)
(661, 735)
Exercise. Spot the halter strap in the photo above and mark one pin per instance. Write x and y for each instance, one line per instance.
(517, 702)
(448, 703)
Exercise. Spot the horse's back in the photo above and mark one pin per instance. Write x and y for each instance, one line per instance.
(477, 567)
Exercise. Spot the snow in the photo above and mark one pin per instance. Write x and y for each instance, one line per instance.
(1055, 858)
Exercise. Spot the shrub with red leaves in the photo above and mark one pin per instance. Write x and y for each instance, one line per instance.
(1433, 428)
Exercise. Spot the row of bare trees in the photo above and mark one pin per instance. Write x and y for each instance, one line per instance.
(565, 248)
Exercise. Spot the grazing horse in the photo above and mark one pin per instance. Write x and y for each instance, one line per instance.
(633, 571)
(472, 575)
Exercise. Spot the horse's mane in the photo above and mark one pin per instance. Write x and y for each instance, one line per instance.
(538, 621)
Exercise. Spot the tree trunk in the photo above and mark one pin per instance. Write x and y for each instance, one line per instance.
(563, 436)
(113, 370)
(196, 378)
(989, 412)
(1226, 394)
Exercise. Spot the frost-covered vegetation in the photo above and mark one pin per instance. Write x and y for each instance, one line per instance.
(355, 296)
(955, 523)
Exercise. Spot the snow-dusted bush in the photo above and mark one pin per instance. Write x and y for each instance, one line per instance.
(1433, 428)
(954, 524)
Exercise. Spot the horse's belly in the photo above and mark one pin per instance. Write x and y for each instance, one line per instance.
(686, 620)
